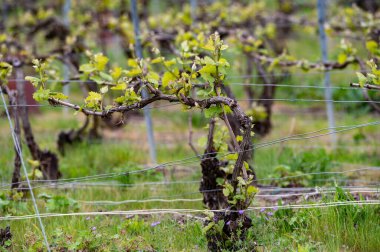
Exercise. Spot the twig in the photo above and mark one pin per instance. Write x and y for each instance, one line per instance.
(191, 135)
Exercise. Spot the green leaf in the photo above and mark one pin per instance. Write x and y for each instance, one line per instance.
(232, 156)
(104, 90)
(169, 63)
(87, 68)
(213, 111)
(35, 81)
(153, 77)
(93, 99)
(131, 96)
(220, 181)
(120, 86)
(120, 99)
(208, 61)
(241, 181)
(210, 45)
(132, 63)
(157, 60)
(4, 202)
(223, 62)
(274, 63)
(134, 72)
(342, 57)
(372, 46)
(207, 72)
(168, 78)
(246, 165)
(44, 196)
(58, 95)
(252, 190)
(362, 79)
(97, 79)
(116, 72)
(209, 69)
(41, 95)
(185, 46)
(106, 76)
(202, 93)
(100, 61)
(226, 192)
(223, 47)
(208, 227)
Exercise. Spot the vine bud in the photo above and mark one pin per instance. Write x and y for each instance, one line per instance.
(194, 67)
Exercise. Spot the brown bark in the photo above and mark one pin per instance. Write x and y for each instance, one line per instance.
(213, 196)
(263, 127)
(236, 223)
(70, 137)
(16, 175)
(248, 89)
(48, 160)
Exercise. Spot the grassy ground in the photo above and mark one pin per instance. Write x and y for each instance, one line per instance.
(125, 150)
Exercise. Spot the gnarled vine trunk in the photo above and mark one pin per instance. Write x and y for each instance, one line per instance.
(213, 196)
(236, 223)
(48, 160)
(12, 96)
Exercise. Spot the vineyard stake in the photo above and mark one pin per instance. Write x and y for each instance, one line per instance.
(328, 91)
(194, 5)
(66, 71)
(148, 118)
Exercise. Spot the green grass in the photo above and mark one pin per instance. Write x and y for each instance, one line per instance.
(322, 229)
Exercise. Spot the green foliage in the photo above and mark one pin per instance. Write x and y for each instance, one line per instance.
(244, 194)
(373, 47)
(93, 100)
(257, 112)
(348, 52)
(59, 203)
(11, 204)
(372, 77)
(283, 176)
(42, 93)
(5, 72)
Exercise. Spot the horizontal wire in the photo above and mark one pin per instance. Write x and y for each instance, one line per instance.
(296, 86)
(58, 106)
(73, 185)
(101, 184)
(339, 146)
(181, 210)
(320, 189)
(261, 99)
(110, 202)
(297, 138)
(334, 71)
(188, 182)
(310, 100)
(322, 173)
(183, 161)
(315, 192)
